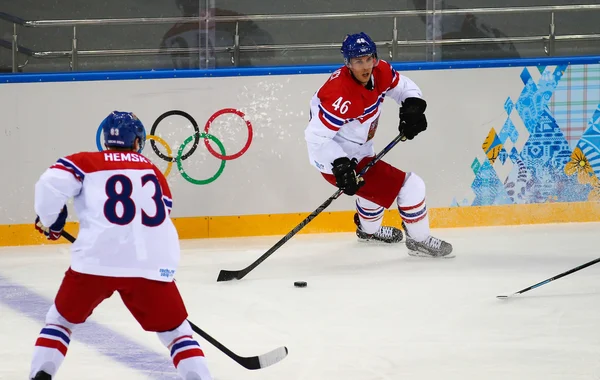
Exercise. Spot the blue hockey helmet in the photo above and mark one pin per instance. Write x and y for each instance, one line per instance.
(120, 130)
(358, 45)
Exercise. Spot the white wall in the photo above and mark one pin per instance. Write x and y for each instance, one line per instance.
(43, 121)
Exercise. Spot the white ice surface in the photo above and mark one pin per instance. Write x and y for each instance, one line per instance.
(370, 312)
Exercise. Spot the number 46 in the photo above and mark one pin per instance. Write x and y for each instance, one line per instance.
(341, 105)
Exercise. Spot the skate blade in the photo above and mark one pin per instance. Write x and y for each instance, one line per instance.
(378, 242)
(451, 255)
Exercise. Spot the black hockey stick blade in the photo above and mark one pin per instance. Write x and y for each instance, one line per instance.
(252, 362)
(228, 275)
(583, 266)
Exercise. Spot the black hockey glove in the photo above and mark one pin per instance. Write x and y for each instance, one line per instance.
(346, 179)
(412, 117)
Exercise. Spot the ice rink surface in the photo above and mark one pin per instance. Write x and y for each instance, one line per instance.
(370, 312)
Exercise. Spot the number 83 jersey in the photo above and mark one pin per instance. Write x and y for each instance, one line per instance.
(123, 203)
(344, 114)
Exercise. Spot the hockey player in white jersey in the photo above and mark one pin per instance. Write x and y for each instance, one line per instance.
(127, 243)
(344, 119)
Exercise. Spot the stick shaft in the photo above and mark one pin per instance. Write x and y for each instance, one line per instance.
(225, 275)
(583, 266)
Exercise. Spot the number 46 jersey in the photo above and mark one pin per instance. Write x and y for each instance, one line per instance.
(123, 203)
(344, 115)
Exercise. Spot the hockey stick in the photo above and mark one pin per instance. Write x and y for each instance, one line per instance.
(552, 279)
(68, 236)
(252, 362)
(227, 275)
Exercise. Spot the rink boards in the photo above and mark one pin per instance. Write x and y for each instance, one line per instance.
(508, 142)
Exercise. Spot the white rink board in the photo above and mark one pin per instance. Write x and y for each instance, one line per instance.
(43, 121)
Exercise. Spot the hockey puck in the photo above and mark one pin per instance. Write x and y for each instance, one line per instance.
(300, 284)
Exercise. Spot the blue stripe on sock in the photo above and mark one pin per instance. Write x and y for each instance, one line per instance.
(56, 333)
(363, 212)
(414, 215)
(185, 343)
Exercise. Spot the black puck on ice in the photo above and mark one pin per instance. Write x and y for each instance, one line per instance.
(300, 284)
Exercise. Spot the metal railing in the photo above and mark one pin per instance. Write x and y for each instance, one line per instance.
(235, 50)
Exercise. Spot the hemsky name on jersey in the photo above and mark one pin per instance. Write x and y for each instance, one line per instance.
(124, 157)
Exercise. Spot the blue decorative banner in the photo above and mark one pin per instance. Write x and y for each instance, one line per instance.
(560, 158)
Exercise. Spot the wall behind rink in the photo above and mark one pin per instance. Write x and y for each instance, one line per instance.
(505, 145)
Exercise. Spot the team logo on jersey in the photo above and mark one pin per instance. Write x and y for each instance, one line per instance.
(167, 273)
(373, 129)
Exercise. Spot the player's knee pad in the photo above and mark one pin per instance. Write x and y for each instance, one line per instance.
(53, 317)
(412, 191)
(168, 337)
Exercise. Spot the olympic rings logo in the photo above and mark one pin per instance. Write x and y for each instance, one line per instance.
(180, 156)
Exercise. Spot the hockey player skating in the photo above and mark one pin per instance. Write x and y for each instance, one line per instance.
(344, 118)
(127, 243)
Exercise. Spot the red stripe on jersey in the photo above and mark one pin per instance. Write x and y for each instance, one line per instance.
(194, 352)
(326, 122)
(60, 167)
(395, 80)
(51, 343)
(366, 117)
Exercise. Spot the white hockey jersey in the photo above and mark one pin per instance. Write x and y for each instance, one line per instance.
(123, 203)
(345, 114)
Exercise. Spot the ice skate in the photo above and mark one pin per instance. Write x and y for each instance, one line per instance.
(42, 376)
(385, 234)
(432, 247)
